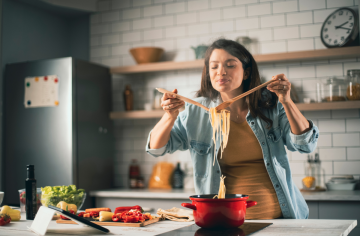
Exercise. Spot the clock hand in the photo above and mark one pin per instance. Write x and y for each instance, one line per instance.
(339, 26)
(344, 28)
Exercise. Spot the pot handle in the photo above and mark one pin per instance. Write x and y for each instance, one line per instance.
(189, 205)
(250, 203)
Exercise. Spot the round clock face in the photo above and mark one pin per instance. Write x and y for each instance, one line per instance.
(340, 28)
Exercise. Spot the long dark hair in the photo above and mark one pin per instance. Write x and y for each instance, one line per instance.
(254, 100)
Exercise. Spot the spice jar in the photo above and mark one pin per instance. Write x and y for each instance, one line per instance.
(335, 90)
(353, 88)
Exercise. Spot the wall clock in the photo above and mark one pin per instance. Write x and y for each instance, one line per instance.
(340, 29)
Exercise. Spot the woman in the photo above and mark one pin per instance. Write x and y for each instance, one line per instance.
(255, 161)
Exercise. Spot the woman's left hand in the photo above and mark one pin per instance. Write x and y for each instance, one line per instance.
(281, 87)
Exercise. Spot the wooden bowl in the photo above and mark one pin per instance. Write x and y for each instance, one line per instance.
(146, 54)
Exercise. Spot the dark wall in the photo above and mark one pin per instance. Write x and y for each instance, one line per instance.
(31, 33)
(80, 37)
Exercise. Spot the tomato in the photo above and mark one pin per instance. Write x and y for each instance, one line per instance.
(4, 219)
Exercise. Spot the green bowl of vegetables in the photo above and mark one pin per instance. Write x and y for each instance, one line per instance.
(52, 195)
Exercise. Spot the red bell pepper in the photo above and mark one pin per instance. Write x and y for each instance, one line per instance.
(65, 218)
(128, 208)
(115, 218)
(81, 214)
(4, 219)
(94, 214)
(131, 219)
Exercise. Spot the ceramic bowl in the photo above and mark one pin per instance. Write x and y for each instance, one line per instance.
(340, 186)
(144, 55)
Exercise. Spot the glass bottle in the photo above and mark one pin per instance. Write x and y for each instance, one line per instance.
(30, 192)
(128, 98)
(140, 182)
(178, 177)
(317, 170)
(134, 174)
(320, 90)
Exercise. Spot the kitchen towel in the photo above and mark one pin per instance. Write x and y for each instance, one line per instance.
(176, 214)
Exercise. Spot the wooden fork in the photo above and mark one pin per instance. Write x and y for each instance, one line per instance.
(230, 101)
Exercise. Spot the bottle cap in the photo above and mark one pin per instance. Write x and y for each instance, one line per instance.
(30, 167)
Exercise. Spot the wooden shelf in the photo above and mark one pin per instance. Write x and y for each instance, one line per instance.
(329, 106)
(301, 106)
(265, 58)
(136, 114)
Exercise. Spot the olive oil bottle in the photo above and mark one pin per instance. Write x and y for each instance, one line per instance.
(30, 191)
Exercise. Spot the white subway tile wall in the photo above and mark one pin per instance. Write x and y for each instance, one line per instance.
(275, 26)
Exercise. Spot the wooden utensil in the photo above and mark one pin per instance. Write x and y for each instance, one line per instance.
(183, 98)
(230, 101)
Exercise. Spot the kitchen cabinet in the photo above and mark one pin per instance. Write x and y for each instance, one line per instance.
(336, 210)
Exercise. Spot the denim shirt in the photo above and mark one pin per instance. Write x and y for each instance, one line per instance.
(192, 131)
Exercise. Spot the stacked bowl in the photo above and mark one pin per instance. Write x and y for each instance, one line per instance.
(342, 183)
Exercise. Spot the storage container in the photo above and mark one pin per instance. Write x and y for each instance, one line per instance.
(353, 88)
(335, 90)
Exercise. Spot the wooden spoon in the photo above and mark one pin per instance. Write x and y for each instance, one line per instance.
(230, 101)
(183, 98)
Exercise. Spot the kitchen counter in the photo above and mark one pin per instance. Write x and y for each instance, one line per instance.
(184, 194)
(279, 227)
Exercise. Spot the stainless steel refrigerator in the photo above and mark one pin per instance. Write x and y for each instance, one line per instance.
(71, 143)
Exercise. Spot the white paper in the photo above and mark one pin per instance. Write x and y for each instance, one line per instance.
(42, 220)
(41, 91)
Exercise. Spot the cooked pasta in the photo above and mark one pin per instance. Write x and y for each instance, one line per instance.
(222, 189)
(220, 123)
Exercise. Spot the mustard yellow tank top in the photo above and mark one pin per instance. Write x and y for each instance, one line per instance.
(243, 165)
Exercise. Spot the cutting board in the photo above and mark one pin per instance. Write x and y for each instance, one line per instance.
(110, 223)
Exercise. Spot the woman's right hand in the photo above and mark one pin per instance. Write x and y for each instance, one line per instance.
(171, 104)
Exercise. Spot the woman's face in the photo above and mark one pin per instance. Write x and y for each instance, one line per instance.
(226, 72)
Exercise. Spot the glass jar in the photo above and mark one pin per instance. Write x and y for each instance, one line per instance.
(353, 88)
(157, 100)
(309, 180)
(335, 90)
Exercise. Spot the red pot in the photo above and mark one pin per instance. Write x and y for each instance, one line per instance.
(224, 213)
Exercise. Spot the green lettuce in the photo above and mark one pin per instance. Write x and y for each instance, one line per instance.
(52, 195)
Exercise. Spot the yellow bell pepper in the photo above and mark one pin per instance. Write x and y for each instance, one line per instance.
(14, 214)
(62, 205)
(105, 216)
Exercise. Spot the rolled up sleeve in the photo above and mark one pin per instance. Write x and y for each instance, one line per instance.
(154, 152)
(303, 143)
(305, 138)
